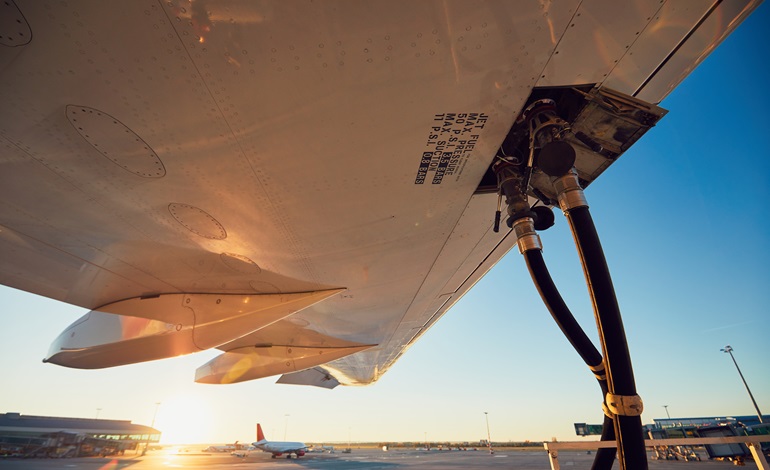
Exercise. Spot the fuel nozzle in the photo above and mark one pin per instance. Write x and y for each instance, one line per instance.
(511, 186)
(552, 154)
(547, 148)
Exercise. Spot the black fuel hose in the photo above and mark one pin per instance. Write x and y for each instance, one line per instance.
(605, 457)
(572, 330)
(559, 310)
(620, 375)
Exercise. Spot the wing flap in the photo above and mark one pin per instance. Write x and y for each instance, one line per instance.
(256, 362)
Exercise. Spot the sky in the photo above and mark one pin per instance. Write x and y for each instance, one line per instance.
(683, 221)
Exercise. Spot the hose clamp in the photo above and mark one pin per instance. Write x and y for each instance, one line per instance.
(599, 371)
(624, 405)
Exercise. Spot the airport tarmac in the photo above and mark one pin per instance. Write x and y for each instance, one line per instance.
(366, 459)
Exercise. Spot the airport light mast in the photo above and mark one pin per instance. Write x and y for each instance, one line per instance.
(666, 407)
(489, 439)
(729, 350)
(154, 415)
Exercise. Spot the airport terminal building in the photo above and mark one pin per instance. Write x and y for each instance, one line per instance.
(659, 424)
(46, 436)
(744, 420)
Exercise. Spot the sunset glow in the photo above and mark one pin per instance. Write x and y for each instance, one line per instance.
(184, 419)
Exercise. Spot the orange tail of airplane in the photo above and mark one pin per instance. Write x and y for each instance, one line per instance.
(260, 434)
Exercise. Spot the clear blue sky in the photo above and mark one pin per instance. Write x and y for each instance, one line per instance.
(683, 220)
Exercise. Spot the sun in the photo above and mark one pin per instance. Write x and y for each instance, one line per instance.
(184, 419)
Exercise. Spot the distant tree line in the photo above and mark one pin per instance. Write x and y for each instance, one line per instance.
(455, 444)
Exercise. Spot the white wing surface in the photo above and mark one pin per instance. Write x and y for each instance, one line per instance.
(299, 184)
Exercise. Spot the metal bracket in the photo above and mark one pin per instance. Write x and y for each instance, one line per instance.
(624, 405)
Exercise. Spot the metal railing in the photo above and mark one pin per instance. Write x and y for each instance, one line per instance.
(752, 442)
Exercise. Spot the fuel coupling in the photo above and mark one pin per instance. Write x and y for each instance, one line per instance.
(510, 184)
(569, 192)
(521, 217)
(547, 148)
(526, 236)
(548, 152)
(553, 155)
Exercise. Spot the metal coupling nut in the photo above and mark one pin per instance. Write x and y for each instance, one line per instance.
(569, 192)
(526, 236)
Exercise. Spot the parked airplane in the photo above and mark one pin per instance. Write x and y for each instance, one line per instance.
(226, 448)
(278, 448)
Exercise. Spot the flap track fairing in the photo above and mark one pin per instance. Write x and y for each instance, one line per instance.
(145, 329)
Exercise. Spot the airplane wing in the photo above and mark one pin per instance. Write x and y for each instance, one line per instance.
(304, 186)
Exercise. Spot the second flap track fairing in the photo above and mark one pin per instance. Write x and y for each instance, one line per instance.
(168, 325)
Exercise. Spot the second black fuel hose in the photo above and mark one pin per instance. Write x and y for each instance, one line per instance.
(620, 376)
(576, 336)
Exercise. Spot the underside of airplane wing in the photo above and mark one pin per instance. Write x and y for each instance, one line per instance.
(304, 186)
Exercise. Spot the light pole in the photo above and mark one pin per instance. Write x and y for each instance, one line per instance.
(489, 439)
(98, 410)
(155, 414)
(729, 350)
(666, 407)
